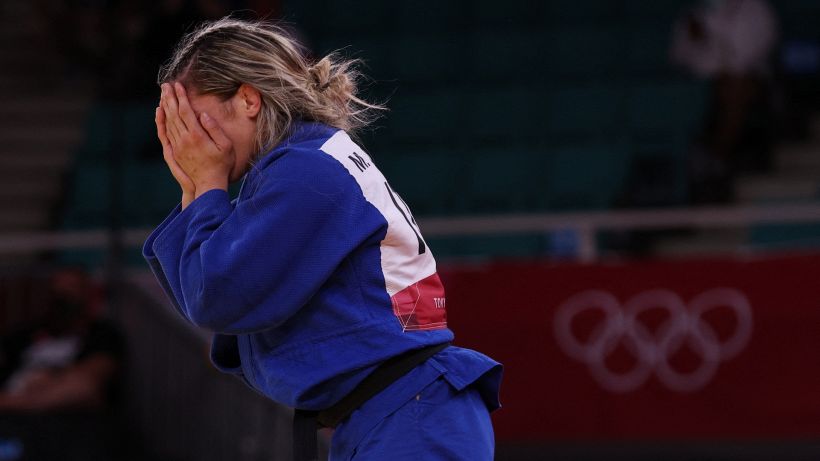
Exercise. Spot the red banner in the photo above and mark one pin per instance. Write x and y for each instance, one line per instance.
(701, 349)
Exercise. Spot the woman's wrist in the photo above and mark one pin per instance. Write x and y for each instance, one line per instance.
(209, 185)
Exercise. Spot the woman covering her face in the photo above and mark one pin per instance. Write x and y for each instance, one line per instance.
(316, 281)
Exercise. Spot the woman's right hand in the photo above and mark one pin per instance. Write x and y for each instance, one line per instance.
(185, 182)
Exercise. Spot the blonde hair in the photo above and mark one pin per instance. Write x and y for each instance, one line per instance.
(219, 56)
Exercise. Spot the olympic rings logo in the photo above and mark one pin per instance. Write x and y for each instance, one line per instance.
(652, 350)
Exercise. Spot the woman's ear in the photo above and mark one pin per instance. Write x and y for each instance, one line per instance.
(248, 100)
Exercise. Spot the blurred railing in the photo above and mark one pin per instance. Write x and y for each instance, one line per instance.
(587, 225)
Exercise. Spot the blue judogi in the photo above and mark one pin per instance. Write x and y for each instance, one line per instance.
(311, 278)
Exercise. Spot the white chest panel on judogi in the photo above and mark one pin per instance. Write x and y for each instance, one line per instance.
(407, 263)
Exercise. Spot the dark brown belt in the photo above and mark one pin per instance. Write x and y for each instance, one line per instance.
(306, 423)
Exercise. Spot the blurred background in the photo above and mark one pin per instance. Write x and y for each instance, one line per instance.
(632, 183)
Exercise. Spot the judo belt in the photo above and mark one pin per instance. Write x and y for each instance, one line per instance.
(306, 423)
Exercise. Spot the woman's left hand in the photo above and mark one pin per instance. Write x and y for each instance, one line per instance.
(199, 145)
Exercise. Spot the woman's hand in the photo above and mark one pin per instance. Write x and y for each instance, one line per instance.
(198, 144)
(187, 185)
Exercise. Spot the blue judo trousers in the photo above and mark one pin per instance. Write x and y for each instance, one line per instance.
(440, 421)
(310, 279)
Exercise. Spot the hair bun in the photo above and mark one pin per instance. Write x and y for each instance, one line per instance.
(320, 74)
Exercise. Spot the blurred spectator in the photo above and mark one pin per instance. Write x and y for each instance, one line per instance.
(734, 37)
(121, 43)
(58, 378)
(729, 42)
(165, 22)
(78, 29)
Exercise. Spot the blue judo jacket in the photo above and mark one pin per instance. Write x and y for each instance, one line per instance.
(312, 277)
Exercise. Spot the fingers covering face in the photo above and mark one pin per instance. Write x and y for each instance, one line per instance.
(180, 119)
(215, 132)
(167, 151)
(175, 127)
(180, 125)
(161, 130)
(186, 113)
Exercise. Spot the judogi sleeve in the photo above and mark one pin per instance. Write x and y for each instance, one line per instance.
(156, 267)
(251, 267)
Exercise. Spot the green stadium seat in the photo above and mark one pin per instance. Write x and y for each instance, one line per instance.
(87, 201)
(510, 13)
(149, 193)
(139, 131)
(564, 12)
(510, 114)
(430, 182)
(375, 52)
(87, 258)
(346, 16)
(785, 236)
(432, 59)
(798, 18)
(583, 52)
(431, 16)
(670, 108)
(583, 112)
(586, 176)
(655, 12)
(165, 191)
(491, 246)
(505, 180)
(99, 257)
(648, 52)
(123, 129)
(97, 133)
(303, 14)
(425, 116)
(512, 56)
